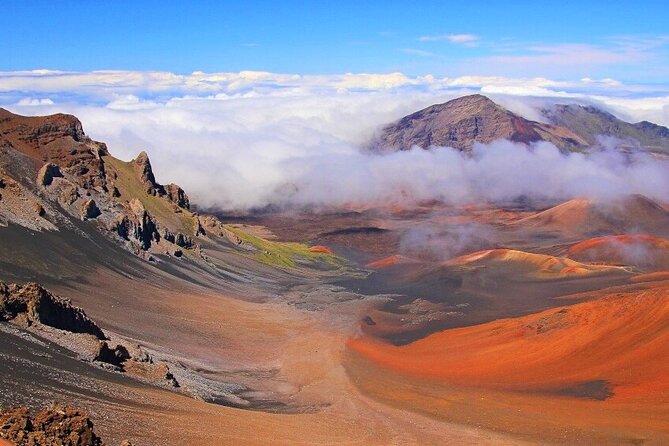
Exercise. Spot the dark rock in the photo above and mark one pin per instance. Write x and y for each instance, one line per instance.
(47, 173)
(40, 210)
(143, 230)
(183, 241)
(89, 210)
(115, 356)
(167, 235)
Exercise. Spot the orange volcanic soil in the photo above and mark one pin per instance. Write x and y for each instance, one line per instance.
(631, 249)
(651, 277)
(622, 340)
(389, 261)
(583, 216)
(529, 265)
(320, 249)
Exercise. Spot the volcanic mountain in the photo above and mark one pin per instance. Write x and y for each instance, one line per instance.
(589, 123)
(461, 122)
(633, 213)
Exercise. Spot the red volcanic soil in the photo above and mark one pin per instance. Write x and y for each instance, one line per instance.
(621, 341)
(320, 249)
(642, 250)
(390, 261)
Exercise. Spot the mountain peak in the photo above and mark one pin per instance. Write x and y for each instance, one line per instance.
(461, 122)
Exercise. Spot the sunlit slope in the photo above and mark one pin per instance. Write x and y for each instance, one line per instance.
(620, 342)
(526, 265)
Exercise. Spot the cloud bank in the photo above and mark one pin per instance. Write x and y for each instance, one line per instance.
(248, 139)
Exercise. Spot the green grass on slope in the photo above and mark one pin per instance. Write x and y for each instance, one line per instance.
(285, 254)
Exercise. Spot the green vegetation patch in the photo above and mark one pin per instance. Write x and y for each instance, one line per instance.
(285, 254)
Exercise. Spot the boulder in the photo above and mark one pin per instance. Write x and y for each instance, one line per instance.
(64, 426)
(115, 356)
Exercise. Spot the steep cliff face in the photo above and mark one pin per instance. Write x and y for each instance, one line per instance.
(462, 122)
(59, 140)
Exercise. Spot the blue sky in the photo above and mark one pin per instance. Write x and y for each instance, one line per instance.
(627, 41)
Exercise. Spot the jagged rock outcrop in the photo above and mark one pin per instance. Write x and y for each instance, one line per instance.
(38, 305)
(58, 139)
(47, 173)
(137, 225)
(135, 362)
(93, 185)
(172, 192)
(177, 196)
(63, 426)
(143, 168)
(462, 122)
(89, 209)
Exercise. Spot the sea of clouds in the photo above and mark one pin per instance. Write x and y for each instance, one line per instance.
(249, 139)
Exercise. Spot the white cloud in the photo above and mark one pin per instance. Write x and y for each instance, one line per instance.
(453, 38)
(34, 101)
(251, 138)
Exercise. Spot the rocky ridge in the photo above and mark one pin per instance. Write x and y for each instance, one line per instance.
(51, 172)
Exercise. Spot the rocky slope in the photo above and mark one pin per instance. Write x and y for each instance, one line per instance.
(50, 172)
(33, 308)
(590, 123)
(463, 121)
